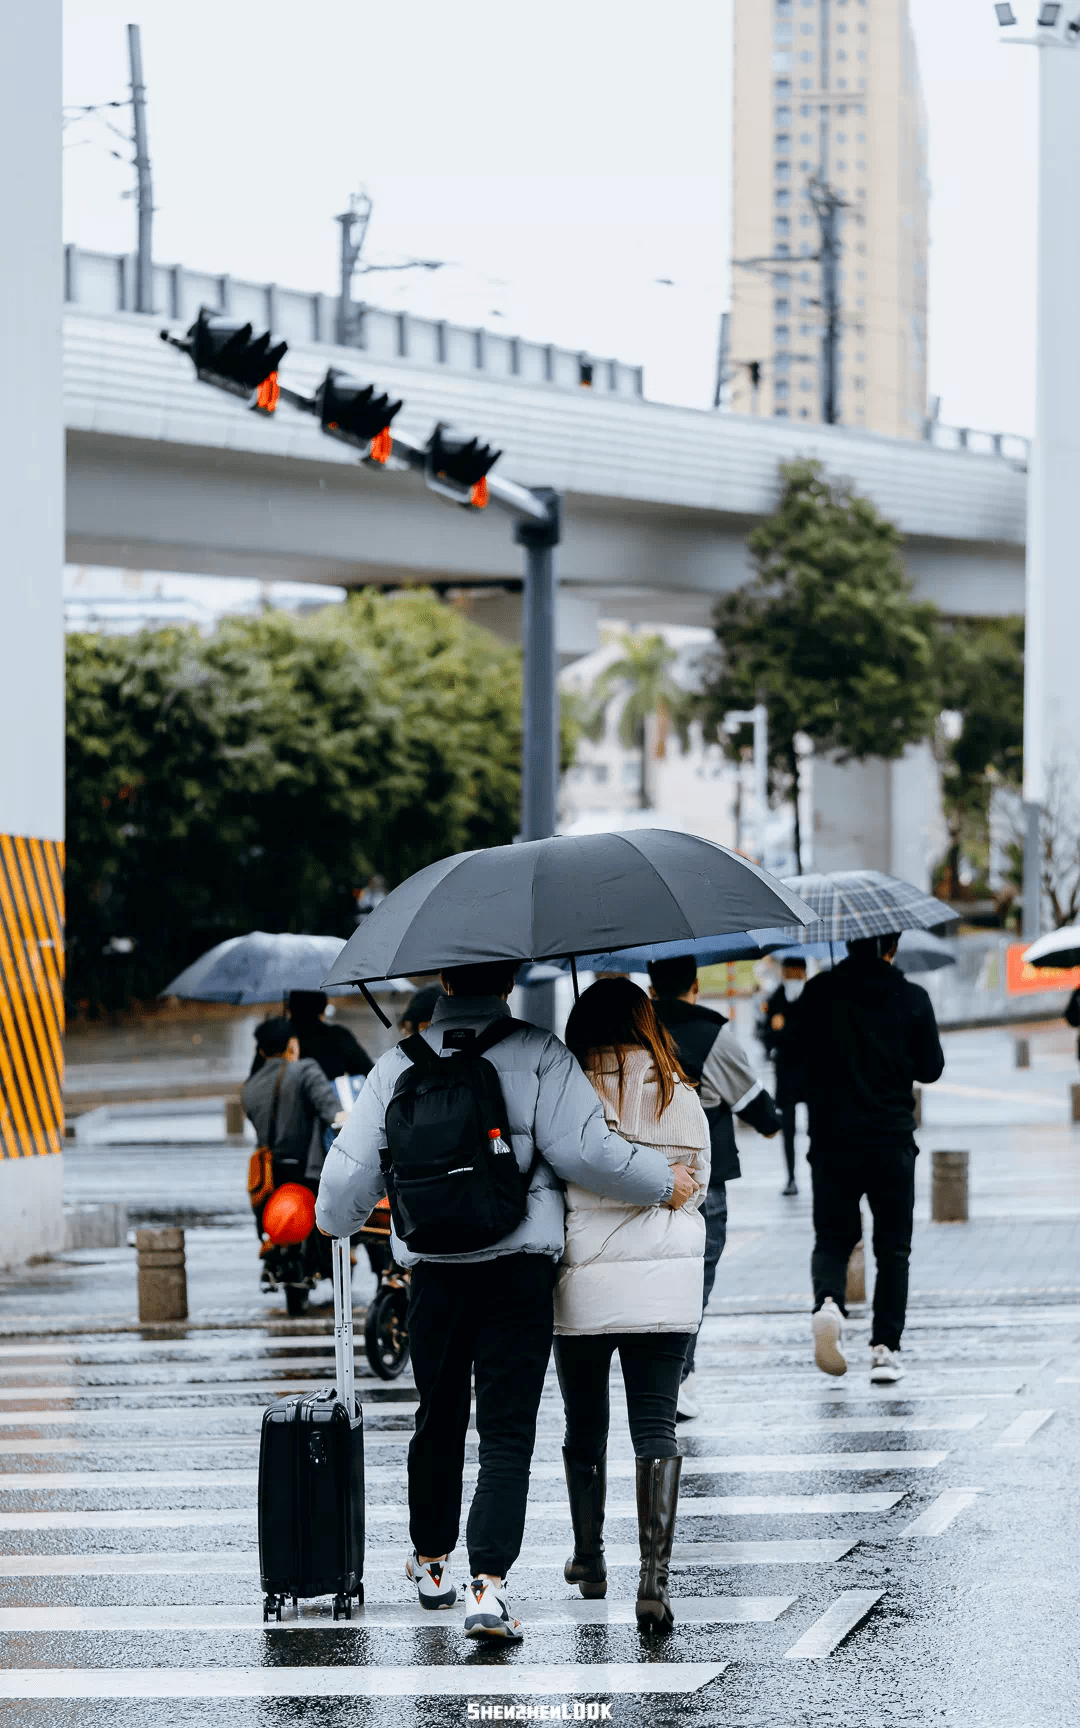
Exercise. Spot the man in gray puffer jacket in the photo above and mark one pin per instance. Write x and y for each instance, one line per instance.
(488, 1313)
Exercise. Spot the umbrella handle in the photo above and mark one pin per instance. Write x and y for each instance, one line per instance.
(573, 974)
(374, 1006)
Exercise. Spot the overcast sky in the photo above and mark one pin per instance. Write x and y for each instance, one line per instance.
(560, 158)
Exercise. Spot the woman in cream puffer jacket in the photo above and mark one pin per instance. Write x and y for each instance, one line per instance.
(630, 1280)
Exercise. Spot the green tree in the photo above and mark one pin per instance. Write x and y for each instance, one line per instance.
(257, 777)
(643, 676)
(826, 634)
(981, 671)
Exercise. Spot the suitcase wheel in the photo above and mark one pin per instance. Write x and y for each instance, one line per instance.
(272, 1605)
(340, 1604)
(359, 1595)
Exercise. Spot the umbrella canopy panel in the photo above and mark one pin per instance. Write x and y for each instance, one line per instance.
(1060, 949)
(852, 904)
(570, 895)
(260, 967)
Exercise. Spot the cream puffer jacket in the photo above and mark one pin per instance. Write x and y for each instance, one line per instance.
(637, 1268)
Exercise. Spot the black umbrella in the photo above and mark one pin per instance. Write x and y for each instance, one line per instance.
(554, 899)
(260, 967)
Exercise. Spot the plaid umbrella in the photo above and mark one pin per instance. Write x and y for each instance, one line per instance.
(856, 903)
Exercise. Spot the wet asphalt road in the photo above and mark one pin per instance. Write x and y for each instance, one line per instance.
(845, 1555)
(810, 1590)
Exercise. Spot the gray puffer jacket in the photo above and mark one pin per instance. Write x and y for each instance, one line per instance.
(552, 1109)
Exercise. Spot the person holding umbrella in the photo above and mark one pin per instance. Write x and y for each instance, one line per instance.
(780, 1036)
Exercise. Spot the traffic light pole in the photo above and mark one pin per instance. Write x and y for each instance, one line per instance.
(144, 257)
(540, 694)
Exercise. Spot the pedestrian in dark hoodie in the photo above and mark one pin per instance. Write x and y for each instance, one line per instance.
(866, 1035)
(334, 1048)
(780, 1036)
(712, 1057)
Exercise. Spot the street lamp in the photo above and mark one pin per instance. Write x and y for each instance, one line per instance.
(758, 717)
(1052, 594)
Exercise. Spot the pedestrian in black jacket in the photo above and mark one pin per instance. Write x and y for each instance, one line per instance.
(866, 1035)
(712, 1057)
(333, 1047)
(780, 1036)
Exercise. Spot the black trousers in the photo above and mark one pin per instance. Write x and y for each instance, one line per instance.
(652, 1368)
(492, 1320)
(885, 1173)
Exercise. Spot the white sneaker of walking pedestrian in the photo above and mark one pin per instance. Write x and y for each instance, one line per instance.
(488, 1613)
(429, 1576)
(688, 1406)
(885, 1365)
(828, 1326)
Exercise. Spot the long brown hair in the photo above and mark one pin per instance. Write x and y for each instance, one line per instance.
(614, 1014)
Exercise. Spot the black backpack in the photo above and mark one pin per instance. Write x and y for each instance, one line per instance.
(450, 1191)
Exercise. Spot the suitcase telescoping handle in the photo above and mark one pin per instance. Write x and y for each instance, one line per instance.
(343, 1334)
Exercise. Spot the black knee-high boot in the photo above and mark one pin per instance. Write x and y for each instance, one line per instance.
(586, 1485)
(657, 1500)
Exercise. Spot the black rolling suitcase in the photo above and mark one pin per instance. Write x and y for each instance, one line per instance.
(311, 1481)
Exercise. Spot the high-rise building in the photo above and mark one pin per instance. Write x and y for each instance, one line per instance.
(828, 107)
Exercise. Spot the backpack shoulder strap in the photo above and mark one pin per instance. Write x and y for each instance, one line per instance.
(419, 1051)
(494, 1034)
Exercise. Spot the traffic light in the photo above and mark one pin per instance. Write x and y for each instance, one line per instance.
(352, 412)
(229, 355)
(458, 466)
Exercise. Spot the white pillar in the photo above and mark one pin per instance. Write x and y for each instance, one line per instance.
(1051, 680)
(31, 634)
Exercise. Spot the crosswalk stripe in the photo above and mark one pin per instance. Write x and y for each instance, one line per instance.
(136, 1416)
(380, 1616)
(736, 1506)
(349, 1682)
(838, 1620)
(247, 1435)
(808, 1551)
(1018, 1433)
(941, 1512)
(692, 1505)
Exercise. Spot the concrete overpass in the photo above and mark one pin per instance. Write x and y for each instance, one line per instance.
(165, 473)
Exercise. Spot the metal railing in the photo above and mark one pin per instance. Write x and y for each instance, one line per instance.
(105, 282)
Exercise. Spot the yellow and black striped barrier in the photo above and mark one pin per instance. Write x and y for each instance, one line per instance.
(31, 996)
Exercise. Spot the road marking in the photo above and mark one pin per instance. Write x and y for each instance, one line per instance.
(1048, 1100)
(842, 1617)
(120, 1374)
(1018, 1433)
(380, 1616)
(941, 1512)
(231, 1561)
(459, 1681)
(166, 1518)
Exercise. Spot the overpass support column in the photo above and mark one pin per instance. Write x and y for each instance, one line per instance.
(32, 639)
(1051, 681)
(540, 698)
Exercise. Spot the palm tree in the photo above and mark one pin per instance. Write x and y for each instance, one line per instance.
(642, 673)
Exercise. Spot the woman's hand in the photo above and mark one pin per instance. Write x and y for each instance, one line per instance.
(685, 1187)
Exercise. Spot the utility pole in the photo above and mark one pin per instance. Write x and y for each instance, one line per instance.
(350, 317)
(144, 256)
(758, 717)
(827, 205)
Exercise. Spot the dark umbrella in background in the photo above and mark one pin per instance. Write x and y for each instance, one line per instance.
(571, 895)
(249, 970)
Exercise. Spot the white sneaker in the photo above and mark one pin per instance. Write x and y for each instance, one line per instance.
(488, 1614)
(429, 1576)
(688, 1406)
(885, 1365)
(828, 1326)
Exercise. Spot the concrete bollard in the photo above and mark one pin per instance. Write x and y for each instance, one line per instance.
(917, 1095)
(162, 1275)
(234, 1116)
(949, 1197)
(855, 1290)
(1074, 1092)
(1023, 1052)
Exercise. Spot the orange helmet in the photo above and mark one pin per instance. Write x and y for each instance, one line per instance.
(289, 1214)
